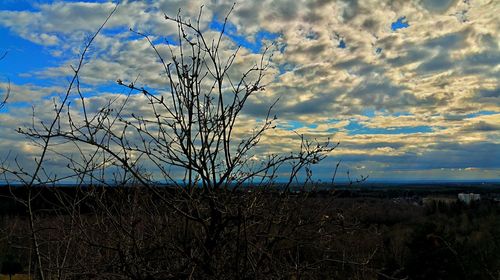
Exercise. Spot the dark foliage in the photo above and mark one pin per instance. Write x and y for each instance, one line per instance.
(10, 266)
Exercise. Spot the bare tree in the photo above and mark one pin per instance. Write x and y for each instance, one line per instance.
(193, 188)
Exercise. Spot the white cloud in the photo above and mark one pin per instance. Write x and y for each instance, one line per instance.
(435, 73)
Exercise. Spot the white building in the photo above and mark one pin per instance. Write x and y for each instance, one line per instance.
(467, 198)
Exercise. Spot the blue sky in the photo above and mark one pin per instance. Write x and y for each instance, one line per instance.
(400, 23)
(23, 57)
(409, 89)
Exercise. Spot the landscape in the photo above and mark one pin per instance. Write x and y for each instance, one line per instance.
(263, 139)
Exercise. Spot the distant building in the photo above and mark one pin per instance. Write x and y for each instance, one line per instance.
(467, 198)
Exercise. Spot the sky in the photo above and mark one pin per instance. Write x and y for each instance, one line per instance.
(410, 88)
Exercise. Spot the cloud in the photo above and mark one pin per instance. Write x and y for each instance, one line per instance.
(28, 92)
(435, 74)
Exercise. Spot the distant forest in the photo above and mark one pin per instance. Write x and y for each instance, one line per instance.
(382, 234)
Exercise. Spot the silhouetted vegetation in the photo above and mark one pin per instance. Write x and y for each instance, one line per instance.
(10, 266)
(122, 236)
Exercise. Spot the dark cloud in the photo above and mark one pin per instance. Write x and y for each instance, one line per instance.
(285, 10)
(351, 10)
(440, 6)
(490, 93)
(433, 53)
(370, 24)
(410, 55)
(455, 155)
(382, 94)
(373, 145)
(310, 51)
(443, 155)
(360, 67)
(481, 126)
(487, 96)
(449, 41)
(489, 41)
(485, 58)
(320, 103)
(438, 63)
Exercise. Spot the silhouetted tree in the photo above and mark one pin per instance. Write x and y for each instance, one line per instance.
(202, 223)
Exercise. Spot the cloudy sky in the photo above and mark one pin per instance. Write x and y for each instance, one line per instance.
(410, 88)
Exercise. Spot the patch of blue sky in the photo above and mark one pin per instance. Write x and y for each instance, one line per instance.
(32, 5)
(115, 88)
(311, 35)
(17, 5)
(355, 128)
(12, 107)
(402, 22)
(333, 122)
(342, 44)
(482, 113)
(24, 57)
(286, 67)
(368, 113)
(171, 40)
(282, 48)
(117, 30)
(231, 32)
(294, 125)
(131, 35)
(332, 130)
(401, 114)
